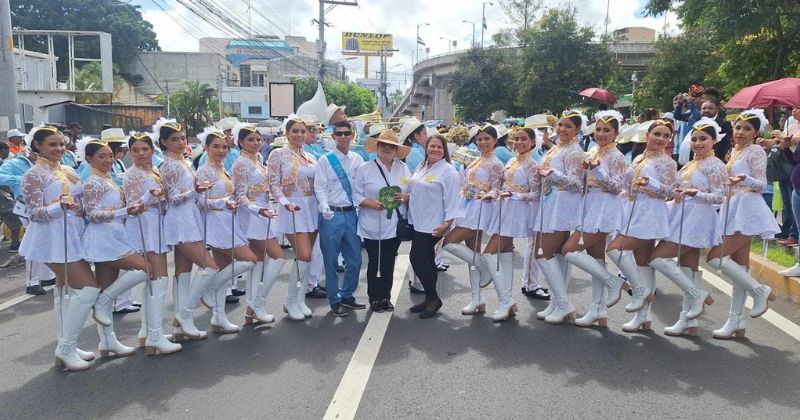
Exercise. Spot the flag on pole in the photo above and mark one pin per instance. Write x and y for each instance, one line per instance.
(484, 23)
(420, 41)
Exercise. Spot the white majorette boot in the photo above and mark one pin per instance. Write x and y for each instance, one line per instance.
(257, 313)
(180, 292)
(477, 305)
(553, 269)
(58, 309)
(734, 326)
(104, 302)
(684, 325)
(74, 317)
(642, 321)
(614, 283)
(301, 293)
(503, 284)
(761, 294)
(628, 266)
(141, 336)
(291, 308)
(156, 342)
(551, 304)
(251, 277)
(597, 315)
(109, 345)
(219, 320)
(205, 278)
(698, 297)
(465, 254)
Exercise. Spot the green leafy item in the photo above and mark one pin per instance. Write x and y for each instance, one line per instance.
(386, 198)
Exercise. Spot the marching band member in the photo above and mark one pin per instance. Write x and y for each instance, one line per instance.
(53, 238)
(483, 175)
(600, 212)
(105, 243)
(291, 179)
(516, 202)
(251, 190)
(561, 172)
(649, 181)
(223, 235)
(693, 225)
(142, 184)
(743, 216)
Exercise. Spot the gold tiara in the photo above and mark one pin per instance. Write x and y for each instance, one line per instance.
(98, 142)
(569, 114)
(607, 119)
(484, 128)
(174, 126)
(749, 117)
(139, 136)
(250, 129)
(298, 120)
(48, 128)
(701, 127)
(662, 121)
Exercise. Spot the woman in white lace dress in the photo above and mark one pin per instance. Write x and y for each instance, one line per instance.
(223, 234)
(256, 218)
(743, 217)
(649, 183)
(142, 185)
(53, 237)
(693, 225)
(291, 181)
(601, 212)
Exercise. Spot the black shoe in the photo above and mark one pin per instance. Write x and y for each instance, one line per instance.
(45, 283)
(431, 309)
(238, 292)
(418, 307)
(538, 293)
(377, 306)
(231, 299)
(35, 290)
(323, 288)
(136, 304)
(442, 267)
(340, 269)
(128, 310)
(316, 293)
(414, 290)
(14, 247)
(338, 310)
(387, 305)
(352, 304)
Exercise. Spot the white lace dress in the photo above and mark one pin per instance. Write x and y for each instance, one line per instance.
(749, 214)
(137, 184)
(222, 232)
(291, 180)
(650, 219)
(603, 207)
(562, 199)
(105, 238)
(519, 210)
(44, 238)
(251, 189)
(182, 221)
(482, 176)
(701, 228)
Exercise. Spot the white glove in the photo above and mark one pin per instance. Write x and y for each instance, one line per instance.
(327, 214)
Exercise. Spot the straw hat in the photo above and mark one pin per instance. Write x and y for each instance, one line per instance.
(641, 132)
(626, 133)
(408, 127)
(113, 135)
(227, 123)
(376, 129)
(388, 137)
(537, 121)
(281, 141)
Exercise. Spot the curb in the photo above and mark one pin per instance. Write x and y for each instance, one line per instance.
(767, 273)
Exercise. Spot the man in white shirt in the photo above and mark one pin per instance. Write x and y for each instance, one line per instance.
(338, 224)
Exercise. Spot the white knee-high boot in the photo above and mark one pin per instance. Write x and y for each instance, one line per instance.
(597, 268)
(292, 307)
(204, 279)
(597, 314)
(74, 317)
(465, 254)
(698, 297)
(503, 284)
(642, 321)
(58, 311)
(301, 292)
(476, 304)
(555, 271)
(684, 325)
(734, 326)
(761, 294)
(142, 335)
(257, 313)
(156, 342)
(109, 345)
(627, 264)
(103, 308)
(551, 305)
(219, 320)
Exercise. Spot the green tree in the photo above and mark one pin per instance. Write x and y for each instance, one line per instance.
(90, 78)
(521, 14)
(195, 104)
(357, 99)
(483, 82)
(679, 61)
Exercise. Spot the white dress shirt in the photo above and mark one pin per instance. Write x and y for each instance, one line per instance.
(435, 196)
(328, 188)
(373, 224)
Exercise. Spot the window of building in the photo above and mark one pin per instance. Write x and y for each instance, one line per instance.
(254, 110)
(258, 79)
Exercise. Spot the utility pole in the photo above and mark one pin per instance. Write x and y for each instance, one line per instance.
(383, 98)
(9, 102)
(166, 82)
(608, 19)
(321, 23)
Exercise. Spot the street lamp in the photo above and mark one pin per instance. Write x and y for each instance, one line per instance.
(473, 30)
(483, 18)
(417, 40)
(450, 43)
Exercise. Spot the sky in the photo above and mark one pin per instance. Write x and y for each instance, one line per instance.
(178, 29)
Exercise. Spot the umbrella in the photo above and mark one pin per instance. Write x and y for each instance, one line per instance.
(782, 92)
(269, 123)
(599, 94)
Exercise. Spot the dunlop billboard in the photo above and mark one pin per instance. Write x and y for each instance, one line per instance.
(360, 43)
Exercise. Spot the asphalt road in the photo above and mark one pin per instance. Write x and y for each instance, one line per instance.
(451, 366)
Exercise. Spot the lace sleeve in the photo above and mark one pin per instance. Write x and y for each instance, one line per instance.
(571, 178)
(33, 185)
(171, 174)
(496, 174)
(274, 175)
(208, 174)
(756, 158)
(133, 186)
(534, 181)
(668, 171)
(716, 174)
(93, 192)
(240, 183)
(610, 175)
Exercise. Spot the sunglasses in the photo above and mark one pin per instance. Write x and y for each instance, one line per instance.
(342, 133)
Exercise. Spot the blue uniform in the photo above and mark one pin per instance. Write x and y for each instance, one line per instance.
(11, 172)
(69, 159)
(415, 157)
(503, 154)
(314, 149)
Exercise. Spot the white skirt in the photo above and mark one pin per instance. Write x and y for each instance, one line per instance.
(650, 218)
(517, 215)
(471, 209)
(218, 232)
(561, 212)
(44, 241)
(254, 226)
(183, 224)
(749, 215)
(603, 212)
(305, 220)
(106, 242)
(150, 229)
(701, 228)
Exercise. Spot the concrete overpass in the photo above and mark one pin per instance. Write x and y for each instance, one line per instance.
(428, 97)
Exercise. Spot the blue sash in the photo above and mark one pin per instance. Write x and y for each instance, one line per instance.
(337, 168)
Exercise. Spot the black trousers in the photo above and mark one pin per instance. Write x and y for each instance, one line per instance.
(423, 256)
(380, 288)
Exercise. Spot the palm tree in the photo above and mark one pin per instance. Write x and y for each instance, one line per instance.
(195, 104)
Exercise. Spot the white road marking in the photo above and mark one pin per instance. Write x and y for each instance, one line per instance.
(774, 318)
(351, 388)
(19, 299)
